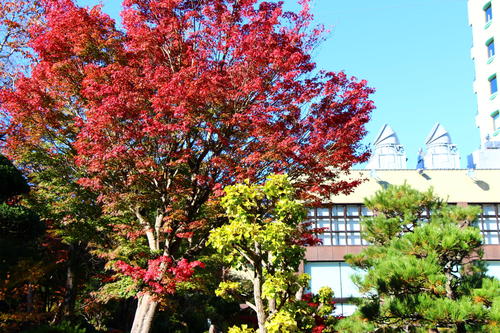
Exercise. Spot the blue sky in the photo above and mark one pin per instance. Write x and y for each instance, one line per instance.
(415, 53)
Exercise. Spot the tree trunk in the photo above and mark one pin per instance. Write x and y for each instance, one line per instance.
(299, 294)
(259, 304)
(67, 307)
(143, 319)
(450, 293)
(461, 328)
(272, 305)
(29, 298)
(70, 294)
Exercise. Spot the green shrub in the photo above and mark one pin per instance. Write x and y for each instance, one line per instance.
(64, 327)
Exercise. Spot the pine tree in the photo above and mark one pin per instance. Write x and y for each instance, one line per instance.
(424, 270)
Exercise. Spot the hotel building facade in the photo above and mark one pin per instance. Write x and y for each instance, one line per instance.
(438, 167)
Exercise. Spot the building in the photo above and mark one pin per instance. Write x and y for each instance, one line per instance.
(387, 152)
(438, 167)
(484, 18)
(440, 152)
(341, 218)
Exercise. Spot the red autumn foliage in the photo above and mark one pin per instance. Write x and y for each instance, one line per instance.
(16, 19)
(190, 97)
(161, 275)
(314, 304)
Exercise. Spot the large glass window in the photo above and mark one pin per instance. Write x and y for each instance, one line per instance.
(493, 84)
(338, 276)
(489, 224)
(491, 48)
(334, 274)
(326, 236)
(341, 224)
(488, 13)
(493, 268)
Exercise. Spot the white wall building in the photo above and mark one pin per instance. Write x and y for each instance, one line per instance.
(387, 153)
(484, 18)
(438, 167)
(340, 217)
(440, 151)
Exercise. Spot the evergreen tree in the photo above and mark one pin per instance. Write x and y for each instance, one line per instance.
(20, 230)
(19, 226)
(424, 269)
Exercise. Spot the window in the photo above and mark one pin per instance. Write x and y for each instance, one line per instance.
(488, 13)
(493, 84)
(494, 268)
(336, 275)
(489, 223)
(496, 121)
(491, 48)
(341, 224)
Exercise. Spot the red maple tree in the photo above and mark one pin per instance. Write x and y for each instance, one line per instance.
(191, 96)
(16, 18)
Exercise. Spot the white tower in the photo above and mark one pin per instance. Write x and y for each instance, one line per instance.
(387, 152)
(440, 153)
(484, 18)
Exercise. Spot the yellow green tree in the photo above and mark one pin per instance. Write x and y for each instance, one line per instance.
(263, 241)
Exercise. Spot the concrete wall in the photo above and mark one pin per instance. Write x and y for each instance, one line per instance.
(458, 185)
